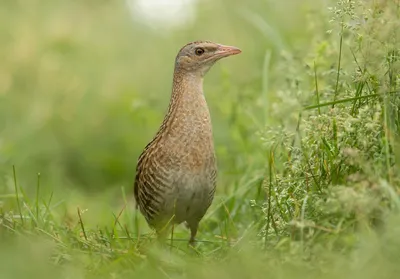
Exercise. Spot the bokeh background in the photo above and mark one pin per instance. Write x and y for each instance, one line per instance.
(85, 84)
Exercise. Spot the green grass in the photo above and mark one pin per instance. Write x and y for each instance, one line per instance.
(307, 132)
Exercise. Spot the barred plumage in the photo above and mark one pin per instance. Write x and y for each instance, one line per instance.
(176, 173)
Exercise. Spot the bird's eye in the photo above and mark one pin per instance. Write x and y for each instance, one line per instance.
(199, 51)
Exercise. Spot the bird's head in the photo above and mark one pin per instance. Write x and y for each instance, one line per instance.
(198, 57)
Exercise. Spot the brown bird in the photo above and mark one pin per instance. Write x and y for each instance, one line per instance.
(176, 173)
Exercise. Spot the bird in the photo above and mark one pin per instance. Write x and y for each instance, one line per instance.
(176, 173)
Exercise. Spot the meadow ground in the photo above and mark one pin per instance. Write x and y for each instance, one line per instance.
(306, 125)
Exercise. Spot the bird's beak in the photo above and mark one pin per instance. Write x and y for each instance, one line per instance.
(224, 51)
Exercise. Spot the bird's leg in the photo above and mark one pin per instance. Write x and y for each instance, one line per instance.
(172, 234)
(163, 231)
(193, 231)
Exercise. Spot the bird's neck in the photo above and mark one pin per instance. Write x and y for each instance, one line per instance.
(188, 112)
(187, 89)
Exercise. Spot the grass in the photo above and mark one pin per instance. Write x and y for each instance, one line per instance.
(307, 135)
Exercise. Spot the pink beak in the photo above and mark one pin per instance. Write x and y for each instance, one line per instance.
(224, 51)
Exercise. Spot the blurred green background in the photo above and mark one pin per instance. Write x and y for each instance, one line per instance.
(85, 84)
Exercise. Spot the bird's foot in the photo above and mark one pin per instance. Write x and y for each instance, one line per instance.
(192, 242)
